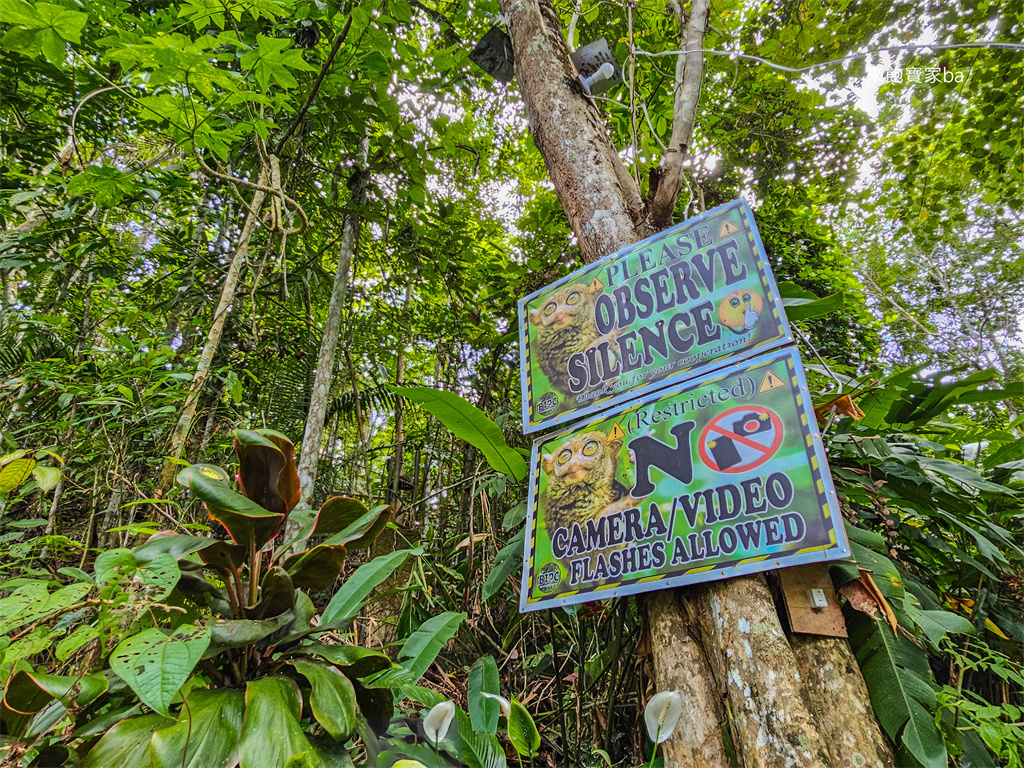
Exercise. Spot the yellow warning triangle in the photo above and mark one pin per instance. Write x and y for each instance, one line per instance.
(616, 432)
(770, 382)
(596, 285)
(727, 229)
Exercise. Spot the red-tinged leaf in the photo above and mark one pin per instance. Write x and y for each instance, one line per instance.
(247, 522)
(260, 466)
(316, 568)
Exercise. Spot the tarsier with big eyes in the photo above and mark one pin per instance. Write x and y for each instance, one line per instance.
(565, 326)
(581, 481)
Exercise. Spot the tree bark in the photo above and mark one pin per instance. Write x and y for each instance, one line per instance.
(309, 455)
(840, 703)
(746, 655)
(697, 743)
(205, 364)
(667, 179)
(750, 655)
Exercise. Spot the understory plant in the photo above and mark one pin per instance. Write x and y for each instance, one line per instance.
(191, 650)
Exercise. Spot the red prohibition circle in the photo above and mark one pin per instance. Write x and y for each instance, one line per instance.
(767, 450)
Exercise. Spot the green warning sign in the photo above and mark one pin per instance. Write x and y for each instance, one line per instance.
(722, 476)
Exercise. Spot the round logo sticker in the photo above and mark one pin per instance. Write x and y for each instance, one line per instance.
(740, 439)
(547, 404)
(549, 577)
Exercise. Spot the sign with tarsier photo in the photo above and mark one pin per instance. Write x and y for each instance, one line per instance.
(697, 295)
(718, 477)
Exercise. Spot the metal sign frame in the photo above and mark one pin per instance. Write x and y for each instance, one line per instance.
(773, 334)
(821, 486)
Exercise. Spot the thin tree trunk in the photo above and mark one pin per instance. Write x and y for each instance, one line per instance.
(309, 454)
(205, 364)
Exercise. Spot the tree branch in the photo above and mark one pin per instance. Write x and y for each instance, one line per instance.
(667, 178)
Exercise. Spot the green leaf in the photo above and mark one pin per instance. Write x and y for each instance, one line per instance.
(504, 565)
(161, 572)
(897, 675)
(316, 568)
(271, 735)
(247, 522)
(807, 305)
(108, 185)
(522, 731)
(271, 60)
(422, 647)
(354, 660)
(333, 699)
(484, 712)
(936, 623)
(348, 600)
(476, 750)
(126, 745)
(156, 665)
(361, 532)
(15, 474)
(206, 734)
(471, 424)
(33, 602)
(236, 633)
(46, 477)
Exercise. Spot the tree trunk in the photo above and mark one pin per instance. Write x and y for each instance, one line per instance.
(746, 655)
(839, 701)
(205, 364)
(309, 455)
(698, 742)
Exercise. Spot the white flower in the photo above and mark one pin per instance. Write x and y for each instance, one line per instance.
(438, 721)
(503, 703)
(662, 713)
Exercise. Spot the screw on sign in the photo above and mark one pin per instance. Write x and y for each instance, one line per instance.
(740, 439)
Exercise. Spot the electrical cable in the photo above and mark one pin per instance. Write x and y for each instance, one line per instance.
(832, 62)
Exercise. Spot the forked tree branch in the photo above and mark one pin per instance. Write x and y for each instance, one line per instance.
(667, 178)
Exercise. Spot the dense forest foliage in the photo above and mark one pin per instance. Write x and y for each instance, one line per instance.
(262, 465)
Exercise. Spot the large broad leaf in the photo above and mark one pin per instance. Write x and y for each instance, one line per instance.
(206, 734)
(801, 304)
(348, 600)
(236, 633)
(522, 731)
(483, 711)
(355, 661)
(156, 665)
(336, 514)
(333, 699)
(271, 735)
(160, 572)
(422, 647)
(897, 674)
(277, 594)
(476, 749)
(224, 554)
(364, 530)
(126, 745)
(316, 568)
(267, 469)
(248, 523)
(470, 424)
(33, 602)
(30, 692)
(15, 473)
(177, 545)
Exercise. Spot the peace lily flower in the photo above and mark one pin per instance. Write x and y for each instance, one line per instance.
(437, 722)
(503, 703)
(662, 714)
